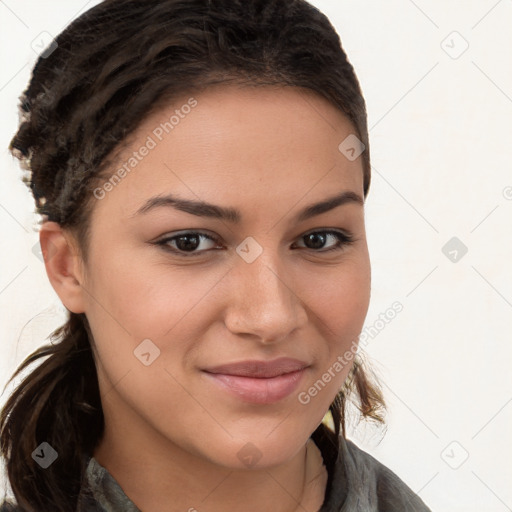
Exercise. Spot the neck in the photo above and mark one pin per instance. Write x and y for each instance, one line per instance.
(176, 480)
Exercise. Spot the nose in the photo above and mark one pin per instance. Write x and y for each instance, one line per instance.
(263, 301)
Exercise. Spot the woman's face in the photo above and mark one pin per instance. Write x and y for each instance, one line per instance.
(166, 311)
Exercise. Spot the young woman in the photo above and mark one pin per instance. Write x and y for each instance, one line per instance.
(201, 168)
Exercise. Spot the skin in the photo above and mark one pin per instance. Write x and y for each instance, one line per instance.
(269, 152)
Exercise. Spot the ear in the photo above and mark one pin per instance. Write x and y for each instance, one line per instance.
(63, 265)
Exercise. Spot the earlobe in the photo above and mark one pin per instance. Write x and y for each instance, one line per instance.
(62, 264)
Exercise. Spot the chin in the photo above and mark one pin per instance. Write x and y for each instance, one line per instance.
(259, 451)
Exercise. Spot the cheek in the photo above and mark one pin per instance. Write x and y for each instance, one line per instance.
(340, 306)
(341, 300)
(134, 302)
(142, 298)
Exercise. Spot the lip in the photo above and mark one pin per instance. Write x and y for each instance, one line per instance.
(259, 369)
(260, 382)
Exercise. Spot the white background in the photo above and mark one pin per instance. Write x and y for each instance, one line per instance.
(440, 133)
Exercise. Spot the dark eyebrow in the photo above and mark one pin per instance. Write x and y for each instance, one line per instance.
(203, 209)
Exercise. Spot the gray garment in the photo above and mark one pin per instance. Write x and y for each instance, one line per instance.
(359, 483)
(363, 484)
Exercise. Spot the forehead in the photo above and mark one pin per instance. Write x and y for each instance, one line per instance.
(235, 145)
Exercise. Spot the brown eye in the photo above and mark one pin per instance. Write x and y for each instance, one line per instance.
(186, 243)
(317, 239)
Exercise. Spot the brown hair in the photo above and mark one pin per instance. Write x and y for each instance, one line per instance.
(109, 69)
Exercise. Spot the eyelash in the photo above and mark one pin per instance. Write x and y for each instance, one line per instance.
(344, 239)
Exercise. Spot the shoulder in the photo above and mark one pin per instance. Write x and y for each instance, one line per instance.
(383, 488)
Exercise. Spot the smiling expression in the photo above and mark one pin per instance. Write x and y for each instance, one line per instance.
(238, 237)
